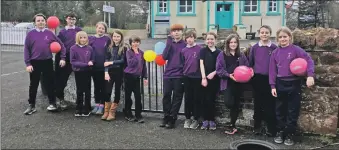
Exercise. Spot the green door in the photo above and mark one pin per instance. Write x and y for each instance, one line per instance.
(224, 15)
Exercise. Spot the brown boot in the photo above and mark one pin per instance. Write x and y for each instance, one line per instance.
(111, 114)
(107, 106)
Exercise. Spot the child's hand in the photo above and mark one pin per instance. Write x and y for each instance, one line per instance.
(145, 82)
(252, 71)
(90, 63)
(211, 76)
(62, 63)
(107, 77)
(29, 69)
(204, 82)
(274, 92)
(108, 63)
(232, 77)
(310, 81)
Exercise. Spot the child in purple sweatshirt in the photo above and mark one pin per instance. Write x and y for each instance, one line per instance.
(192, 80)
(135, 70)
(286, 86)
(173, 76)
(67, 36)
(99, 42)
(82, 58)
(264, 102)
(232, 90)
(38, 59)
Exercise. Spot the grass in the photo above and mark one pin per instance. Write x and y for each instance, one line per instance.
(91, 30)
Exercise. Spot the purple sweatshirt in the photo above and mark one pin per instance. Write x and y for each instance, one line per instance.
(67, 36)
(259, 58)
(37, 45)
(191, 60)
(80, 56)
(174, 66)
(136, 64)
(221, 68)
(100, 46)
(280, 63)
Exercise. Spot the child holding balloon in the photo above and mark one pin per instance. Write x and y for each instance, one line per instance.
(192, 80)
(82, 58)
(67, 36)
(38, 59)
(210, 82)
(135, 70)
(99, 42)
(286, 86)
(114, 65)
(227, 62)
(173, 76)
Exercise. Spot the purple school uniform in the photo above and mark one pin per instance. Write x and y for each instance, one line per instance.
(99, 45)
(259, 57)
(80, 56)
(221, 68)
(280, 63)
(37, 45)
(191, 60)
(174, 67)
(136, 64)
(67, 36)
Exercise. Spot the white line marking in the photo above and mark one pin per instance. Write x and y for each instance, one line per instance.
(7, 74)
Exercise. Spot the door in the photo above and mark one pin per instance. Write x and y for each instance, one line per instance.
(224, 15)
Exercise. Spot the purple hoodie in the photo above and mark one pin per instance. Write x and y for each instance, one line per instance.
(37, 45)
(191, 60)
(221, 68)
(67, 36)
(136, 64)
(259, 58)
(80, 56)
(280, 63)
(100, 46)
(174, 66)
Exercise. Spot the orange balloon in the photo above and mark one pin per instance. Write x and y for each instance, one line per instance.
(160, 61)
(55, 47)
(53, 22)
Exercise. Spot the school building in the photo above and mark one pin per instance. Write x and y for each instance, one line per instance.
(243, 16)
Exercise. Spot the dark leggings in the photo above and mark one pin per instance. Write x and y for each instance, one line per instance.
(192, 97)
(61, 76)
(232, 98)
(210, 96)
(83, 85)
(132, 84)
(116, 77)
(99, 86)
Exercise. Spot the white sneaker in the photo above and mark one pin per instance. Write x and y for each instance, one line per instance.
(51, 108)
(187, 123)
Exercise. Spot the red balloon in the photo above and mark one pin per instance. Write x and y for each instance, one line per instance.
(159, 60)
(55, 47)
(53, 22)
(243, 74)
(298, 66)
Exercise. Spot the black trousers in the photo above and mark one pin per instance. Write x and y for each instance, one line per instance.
(61, 76)
(288, 105)
(132, 84)
(99, 86)
(116, 75)
(232, 99)
(83, 84)
(264, 103)
(210, 95)
(193, 98)
(46, 68)
(171, 104)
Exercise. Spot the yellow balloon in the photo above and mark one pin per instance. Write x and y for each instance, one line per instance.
(149, 55)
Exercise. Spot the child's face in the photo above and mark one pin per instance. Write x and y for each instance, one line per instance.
(135, 44)
(283, 39)
(100, 29)
(116, 38)
(264, 34)
(83, 39)
(233, 44)
(40, 22)
(177, 34)
(210, 40)
(71, 21)
(190, 40)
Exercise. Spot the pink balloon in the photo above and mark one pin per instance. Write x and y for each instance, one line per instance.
(298, 66)
(243, 74)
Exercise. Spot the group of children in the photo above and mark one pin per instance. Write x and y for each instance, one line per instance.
(197, 73)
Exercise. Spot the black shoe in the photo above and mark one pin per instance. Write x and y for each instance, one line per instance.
(77, 113)
(279, 137)
(129, 116)
(30, 110)
(171, 123)
(289, 140)
(86, 114)
(164, 122)
(139, 119)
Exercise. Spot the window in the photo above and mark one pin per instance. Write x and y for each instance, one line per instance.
(272, 6)
(162, 6)
(251, 6)
(186, 6)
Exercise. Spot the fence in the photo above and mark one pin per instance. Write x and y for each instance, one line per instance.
(13, 35)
